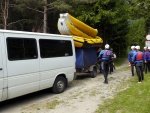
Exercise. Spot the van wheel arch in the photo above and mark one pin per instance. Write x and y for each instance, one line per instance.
(60, 84)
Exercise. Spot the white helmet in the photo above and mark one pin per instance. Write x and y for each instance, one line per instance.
(132, 47)
(148, 47)
(137, 47)
(145, 47)
(107, 46)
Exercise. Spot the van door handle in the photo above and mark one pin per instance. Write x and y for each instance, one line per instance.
(1, 69)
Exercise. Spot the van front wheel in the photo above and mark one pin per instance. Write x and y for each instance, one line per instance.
(59, 85)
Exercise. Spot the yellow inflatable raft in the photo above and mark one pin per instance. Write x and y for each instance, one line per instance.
(79, 25)
(83, 35)
(67, 28)
(80, 41)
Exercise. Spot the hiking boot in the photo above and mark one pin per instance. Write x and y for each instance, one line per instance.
(105, 82)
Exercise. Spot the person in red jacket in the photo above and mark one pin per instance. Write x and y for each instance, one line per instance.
(138, 58)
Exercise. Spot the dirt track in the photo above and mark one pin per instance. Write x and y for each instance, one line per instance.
(82, 96)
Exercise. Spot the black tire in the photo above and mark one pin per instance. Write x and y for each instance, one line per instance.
(94, 72)
(59, 85)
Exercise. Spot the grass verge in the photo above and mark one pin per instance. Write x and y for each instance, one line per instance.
(135, 99)
(53, 104)
(119, 61)
(124, 68)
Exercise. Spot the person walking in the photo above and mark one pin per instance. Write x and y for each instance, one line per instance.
(147, 59)
(111, 67)
(115, 56)
(105, 56)
(146, 55)
(130, 55)
(138, 60)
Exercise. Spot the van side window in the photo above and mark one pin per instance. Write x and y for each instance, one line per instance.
(55, 48)
(21, 48)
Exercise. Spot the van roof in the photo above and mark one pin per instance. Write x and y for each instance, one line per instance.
(33, 33)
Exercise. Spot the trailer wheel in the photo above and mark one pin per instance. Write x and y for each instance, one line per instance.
(59, 84)
(94, 72)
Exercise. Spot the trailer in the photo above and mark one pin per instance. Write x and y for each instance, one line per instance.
(86, 61)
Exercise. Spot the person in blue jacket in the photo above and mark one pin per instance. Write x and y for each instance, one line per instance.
(147, 59)
(105, 56)
(138, 58)
(146, 56)
(130, 55)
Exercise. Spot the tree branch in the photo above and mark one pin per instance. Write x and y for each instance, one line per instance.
(35, 10)
(50, 8)
(17, 21)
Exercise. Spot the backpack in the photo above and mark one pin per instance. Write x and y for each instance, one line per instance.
(139, 56)
(106, 54)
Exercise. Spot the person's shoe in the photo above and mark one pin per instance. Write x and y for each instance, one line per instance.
(139, 82)
(105, 82)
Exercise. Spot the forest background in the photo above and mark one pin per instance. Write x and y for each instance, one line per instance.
(120, 23)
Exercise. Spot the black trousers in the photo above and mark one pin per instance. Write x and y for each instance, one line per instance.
(132, 68)
(145, 67)
(139, 70)
(111, 67)
(105, 69)
(148, 65)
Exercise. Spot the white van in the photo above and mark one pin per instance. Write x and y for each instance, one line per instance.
(31, 62)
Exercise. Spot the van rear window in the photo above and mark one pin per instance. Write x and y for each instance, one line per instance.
(55, 48)
(21, 48)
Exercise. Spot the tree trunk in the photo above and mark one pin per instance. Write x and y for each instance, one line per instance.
(45, 18)
(5, 13)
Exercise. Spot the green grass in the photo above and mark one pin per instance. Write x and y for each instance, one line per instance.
(124, 68)
(118, 61)
(53, 104)
(135, 99)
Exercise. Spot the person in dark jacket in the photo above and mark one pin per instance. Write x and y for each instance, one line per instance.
(130, 55)
(111, 67)
(146, 55)
(105, 56)
(138, 60)
(147, 59)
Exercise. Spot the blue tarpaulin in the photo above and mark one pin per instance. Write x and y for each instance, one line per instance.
(85, 57)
